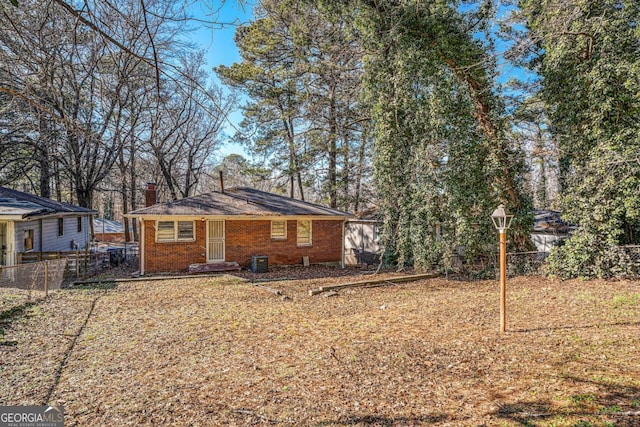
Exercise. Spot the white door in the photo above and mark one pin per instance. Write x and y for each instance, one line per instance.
(215, 241)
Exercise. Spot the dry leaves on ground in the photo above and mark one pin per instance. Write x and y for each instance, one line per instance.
(219, 351)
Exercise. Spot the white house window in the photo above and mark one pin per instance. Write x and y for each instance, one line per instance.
(79, 224)
(304, 233)
(279, 230)
(28, 240)
(175, 231)
(60, 226)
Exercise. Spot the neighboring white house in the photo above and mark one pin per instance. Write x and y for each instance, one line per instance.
(549, 229)
(361, 235)
(31, 223)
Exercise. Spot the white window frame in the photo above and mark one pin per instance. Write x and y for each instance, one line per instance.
(175, 237)
(279, 237)
(310, 242)
(29, 233)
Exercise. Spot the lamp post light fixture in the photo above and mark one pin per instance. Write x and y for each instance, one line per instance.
(502, 221)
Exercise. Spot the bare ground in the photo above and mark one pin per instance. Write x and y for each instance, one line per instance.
(219, 351)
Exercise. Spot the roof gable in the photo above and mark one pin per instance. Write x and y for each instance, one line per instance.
(239, 201)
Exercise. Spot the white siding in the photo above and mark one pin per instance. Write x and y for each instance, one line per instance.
(544, 242)
(20, 228)
(359, 235)
(51, 242)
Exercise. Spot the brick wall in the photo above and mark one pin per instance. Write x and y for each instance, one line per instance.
(247, 238)
(173, 256)
(244, 239)
(110, 237)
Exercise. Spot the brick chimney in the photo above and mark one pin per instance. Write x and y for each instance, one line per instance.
(151, 194)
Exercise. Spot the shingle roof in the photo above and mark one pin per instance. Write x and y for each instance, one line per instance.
(238, 201)
(14, 202)
(548, 221)
(101, 225)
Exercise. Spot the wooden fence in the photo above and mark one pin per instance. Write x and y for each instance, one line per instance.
(79, 264)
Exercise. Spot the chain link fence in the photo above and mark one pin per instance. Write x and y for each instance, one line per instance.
(633, 252)
(529, 263)
(525, 263)
(24, 283)
(487, 266)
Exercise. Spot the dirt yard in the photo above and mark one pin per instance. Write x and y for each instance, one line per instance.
(219, 351)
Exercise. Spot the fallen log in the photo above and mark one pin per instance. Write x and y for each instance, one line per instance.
(373, 282)
(276, 292)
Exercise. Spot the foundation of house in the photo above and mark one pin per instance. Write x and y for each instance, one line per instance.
(214, 267)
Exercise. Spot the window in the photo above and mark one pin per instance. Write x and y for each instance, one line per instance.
(164, 232)
(79, 224)
(60, 226)
(279, 230)
(185, 230)
(173, 231)
(28, 240)
(304, 233)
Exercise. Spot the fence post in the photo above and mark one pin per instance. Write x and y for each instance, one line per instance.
(87, 261)
(46, 278)
(77, 265)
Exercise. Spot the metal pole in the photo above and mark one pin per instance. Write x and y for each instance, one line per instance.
(503, 280)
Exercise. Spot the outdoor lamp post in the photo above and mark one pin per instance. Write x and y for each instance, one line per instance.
(502, 221)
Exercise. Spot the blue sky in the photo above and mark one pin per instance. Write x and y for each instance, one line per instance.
(216, 39)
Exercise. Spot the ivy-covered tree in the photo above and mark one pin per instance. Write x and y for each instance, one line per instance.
(443, 159)
(587, 55)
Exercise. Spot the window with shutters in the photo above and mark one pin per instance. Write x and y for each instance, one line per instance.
(279, 230)
(175, 231)
(165, 231)
(185, 230)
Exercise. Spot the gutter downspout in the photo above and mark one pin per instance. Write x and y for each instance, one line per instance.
(141, 250)
(344, 222)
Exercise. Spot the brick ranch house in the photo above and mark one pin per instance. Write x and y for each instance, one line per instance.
(232, 226)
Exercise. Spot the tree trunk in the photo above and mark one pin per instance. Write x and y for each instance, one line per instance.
(360, 170)
(85, 196)
(133, 187)
(56, 171)
(42, 153)
(332, 148)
